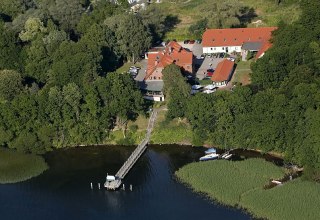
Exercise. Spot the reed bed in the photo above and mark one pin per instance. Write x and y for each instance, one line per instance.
(16, 167)
(294, 200)
(241, 184)
(227, 181)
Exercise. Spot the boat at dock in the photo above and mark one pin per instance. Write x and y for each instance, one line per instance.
(226, 156)
(212, 156)
(210, 151)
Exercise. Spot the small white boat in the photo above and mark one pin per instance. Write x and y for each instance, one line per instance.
(210, 151)
(228, 156)
(208, 91)
(196, 87)
(210, 87)
(209, 157)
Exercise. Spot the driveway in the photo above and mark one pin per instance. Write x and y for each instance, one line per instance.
(195, 48)
(206, 63)
(142, 71)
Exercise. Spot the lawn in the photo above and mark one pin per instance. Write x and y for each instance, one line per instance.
(125, 67)
(241, 184)
(16, 167)
(242, 73)
(171, 132)
(189, 11)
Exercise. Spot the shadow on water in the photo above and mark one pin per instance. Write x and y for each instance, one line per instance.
(63, 192)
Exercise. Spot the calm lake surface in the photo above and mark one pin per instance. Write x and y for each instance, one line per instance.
(63, 192)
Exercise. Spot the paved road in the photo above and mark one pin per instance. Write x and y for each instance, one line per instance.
(142, 71)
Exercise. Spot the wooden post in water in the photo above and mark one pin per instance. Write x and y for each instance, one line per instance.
(99, 185)
(91, 185)
(123, 187)
(130, 187)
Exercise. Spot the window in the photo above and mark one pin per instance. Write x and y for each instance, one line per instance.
(222, 48)
(211, 48)
(159, 77)
(154, 77)
(214, 48)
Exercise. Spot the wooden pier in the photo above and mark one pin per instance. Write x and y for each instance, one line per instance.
(135, 155)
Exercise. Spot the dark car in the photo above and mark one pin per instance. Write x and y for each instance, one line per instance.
(186, 41)
(210, 72)
(191, 41)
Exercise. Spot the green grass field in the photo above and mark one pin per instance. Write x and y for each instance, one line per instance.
(242, 73)
(16, 167)
(241, 184)
(189, 11)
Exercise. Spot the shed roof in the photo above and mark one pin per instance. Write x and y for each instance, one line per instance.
(252, 46)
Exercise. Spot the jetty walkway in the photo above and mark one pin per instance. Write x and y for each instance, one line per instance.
(135, 155)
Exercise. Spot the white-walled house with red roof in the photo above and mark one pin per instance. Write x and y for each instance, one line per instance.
(158, 59)
(239, 40)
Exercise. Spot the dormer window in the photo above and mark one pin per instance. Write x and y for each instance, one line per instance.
(235, 39)
(224, 40)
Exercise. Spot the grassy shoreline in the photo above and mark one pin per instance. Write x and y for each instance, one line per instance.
(17, 167)
(241, 184)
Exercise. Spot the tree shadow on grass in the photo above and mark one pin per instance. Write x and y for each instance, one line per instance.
(246, 16)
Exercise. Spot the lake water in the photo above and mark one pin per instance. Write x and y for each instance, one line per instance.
(63, 192)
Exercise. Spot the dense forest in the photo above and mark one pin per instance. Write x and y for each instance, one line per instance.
(57, 86)
(280, 110)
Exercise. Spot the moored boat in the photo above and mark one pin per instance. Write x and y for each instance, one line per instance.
(210, 151)
(212, 156)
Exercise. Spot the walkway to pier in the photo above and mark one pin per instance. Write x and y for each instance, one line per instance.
(135, 155)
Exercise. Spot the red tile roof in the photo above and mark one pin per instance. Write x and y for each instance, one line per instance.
(235, 36)
(173, 53)
(222, 71)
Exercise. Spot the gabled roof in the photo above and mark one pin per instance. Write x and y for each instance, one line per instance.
(172, 53)
(222, 71)
(263, 49)
(235, 36)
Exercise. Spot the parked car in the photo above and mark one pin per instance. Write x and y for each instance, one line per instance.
(202, 56)
(186, 41)
(198, 41)
(209, 74)
(210, 70)
(191, 41)
(221, 55)
(231, 59)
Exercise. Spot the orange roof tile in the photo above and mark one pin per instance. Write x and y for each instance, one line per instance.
(235, 36)
(173, 53)
(222, 71)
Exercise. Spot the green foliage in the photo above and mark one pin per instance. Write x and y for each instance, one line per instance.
(176, 89)
(227, 181)
(17, 167)
(10, 50)
(133, 37)
(10, 84)
(198, 28)
(241, 184)
(295, 200)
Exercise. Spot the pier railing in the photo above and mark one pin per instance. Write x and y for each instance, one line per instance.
(135, 155)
